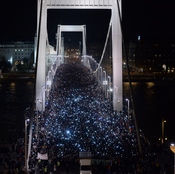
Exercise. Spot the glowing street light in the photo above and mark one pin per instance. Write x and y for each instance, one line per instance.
(128, 107)
(105, 82)
(25, 142)
(163, 130)
(26, 121)
(37, 116)
(109, 89)
(100, 77)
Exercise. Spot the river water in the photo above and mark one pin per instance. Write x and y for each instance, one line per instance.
(152, 101)
(15, 97)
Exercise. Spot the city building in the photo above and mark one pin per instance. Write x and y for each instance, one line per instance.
(143, 55)
(151, 56)
(16, 51)
(95, 49)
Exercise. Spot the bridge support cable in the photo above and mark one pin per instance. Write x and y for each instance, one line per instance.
(111, 60)
(104, 49)
(103, 70)
(130, 85)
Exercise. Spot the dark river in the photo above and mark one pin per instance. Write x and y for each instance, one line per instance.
(15, 97)
(152, 103)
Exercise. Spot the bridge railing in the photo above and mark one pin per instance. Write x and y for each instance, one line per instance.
(102, 76)
(104, 79)
(52, 63)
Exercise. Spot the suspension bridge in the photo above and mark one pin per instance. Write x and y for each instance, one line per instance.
(106, 74)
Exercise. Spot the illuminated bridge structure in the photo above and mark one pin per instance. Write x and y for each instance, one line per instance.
(47, 59)
(108, 70)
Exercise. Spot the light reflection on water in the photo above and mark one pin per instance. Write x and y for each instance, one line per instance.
(150, 84)
(12, 84)
(14, 98)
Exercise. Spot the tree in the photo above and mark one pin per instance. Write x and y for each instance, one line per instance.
(4, 64)
(19, 67)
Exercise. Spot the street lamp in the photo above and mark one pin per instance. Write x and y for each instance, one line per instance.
(105, 82)
(172, 147)
(26, 120)
(25, 142)
(128, 107)
(43, 99)
(100, 77)
(163, 130)
(109, 88)
(40, 101)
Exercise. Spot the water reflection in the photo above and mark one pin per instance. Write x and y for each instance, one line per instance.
(126, 88)
(14, 98)
(153, 101)
(150, 84)
(12, 84)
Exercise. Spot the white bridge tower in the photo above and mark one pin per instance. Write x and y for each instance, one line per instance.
(115, 7)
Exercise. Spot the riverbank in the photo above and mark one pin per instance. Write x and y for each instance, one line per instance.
(150, 77)
(17, 76)
(135, 77)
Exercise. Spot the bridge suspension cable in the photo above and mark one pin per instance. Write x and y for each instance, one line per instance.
(104, 49)
(130, 85)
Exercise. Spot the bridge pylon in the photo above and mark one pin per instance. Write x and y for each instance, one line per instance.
(42, 42)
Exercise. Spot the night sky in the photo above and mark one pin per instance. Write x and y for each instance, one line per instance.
(151, 20)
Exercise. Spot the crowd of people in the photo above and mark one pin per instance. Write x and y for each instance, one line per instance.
(78, 118)
(12, 157)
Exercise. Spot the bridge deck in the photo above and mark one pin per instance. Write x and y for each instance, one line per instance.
(79, 3)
